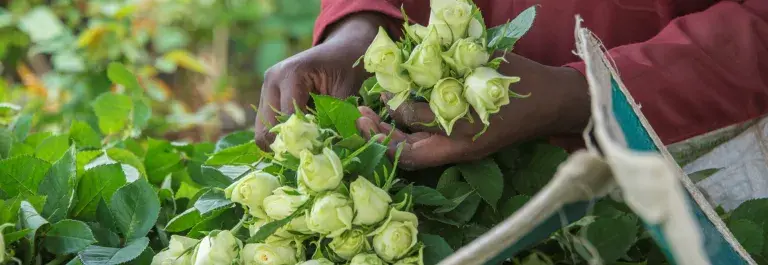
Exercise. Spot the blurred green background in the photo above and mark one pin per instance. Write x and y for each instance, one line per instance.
(200, 62)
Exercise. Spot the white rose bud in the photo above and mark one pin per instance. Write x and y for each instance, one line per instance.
(465, 55)
(383, 55)
(487, 91)
(320, 172)
(371, 202)
(175, 254)
(268, 254)
(451, 18)
(366, 259)
(413, 260)
(220, 249)
(255, 226)
(320, 261)
(251, 190)
(283, 202)
(295, 135)
(416, 32)
(349, 244)
(397, 236)
(330, 215)
(425, 65)
(448, 103)
(394, 83)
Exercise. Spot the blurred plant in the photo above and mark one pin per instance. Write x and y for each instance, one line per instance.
(55, 57)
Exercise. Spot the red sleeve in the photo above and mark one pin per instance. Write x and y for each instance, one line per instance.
(334, 10)
(702, 72)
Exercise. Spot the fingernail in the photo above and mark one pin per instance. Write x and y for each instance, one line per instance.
(385, 126)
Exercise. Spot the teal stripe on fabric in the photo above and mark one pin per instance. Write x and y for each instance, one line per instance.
(571, 212)
(638, 139)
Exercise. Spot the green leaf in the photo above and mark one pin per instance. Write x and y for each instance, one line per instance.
(537, 168)
(6, 142)
(612, 238)
(269, 229)
(126, 157)
(58, 186)
(52, 148)
(244, 154)
(68, 236)
(427, 196)
(184, 221)
(105, 216)
(135, 207)
(702, 174)
(753, 210)
(22, 175)
(97, 255)
(212, 177)
(449, 176)
(118, 74)
(14, 236)
(29, 216)
(82, 158)
(504, 37)
(104, 236)
(485, 177)
(467, 207)
(97, 183)
(513, 204)
(83, 135)
(750, 235)
(212, 200)
(144, 258)
(161, 160)
(221, 219)
(435, 248)
(22, 126)
(234, 139)
(9, 213)
(370, 159)
(338, 114)
(113, 111)
(141, 113)
(352, 142)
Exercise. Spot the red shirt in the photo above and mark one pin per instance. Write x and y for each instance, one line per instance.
(694, 66)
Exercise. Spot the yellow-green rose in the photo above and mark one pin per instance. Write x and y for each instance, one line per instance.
(320, 172)
(383, 55)
(371, 202)
(366, 259)
(397, 236)
(425, 64)
(416, 32)
(251, 190)
(283, 202)
(448, 103)
(394, 83)
(487, 91)
(349, 244)
(451, 18)
(330, 215)
(465, 55)
(175, 254)
(417, 259)
(220, 249)
(295, 135)
(268, 254)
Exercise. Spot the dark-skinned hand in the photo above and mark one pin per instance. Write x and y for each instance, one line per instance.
(558, 105)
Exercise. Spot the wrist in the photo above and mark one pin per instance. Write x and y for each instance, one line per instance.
(573, 106)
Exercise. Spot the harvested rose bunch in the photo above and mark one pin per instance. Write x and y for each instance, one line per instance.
(447, 63)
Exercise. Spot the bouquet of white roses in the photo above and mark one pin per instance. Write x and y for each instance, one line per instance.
(447, 63)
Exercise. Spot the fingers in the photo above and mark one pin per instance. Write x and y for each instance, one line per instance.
(421, 149)
(265, 118)
(416, 116)
(294, 90)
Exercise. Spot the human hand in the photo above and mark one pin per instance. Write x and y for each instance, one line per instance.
(558, 105)
(324, 69)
